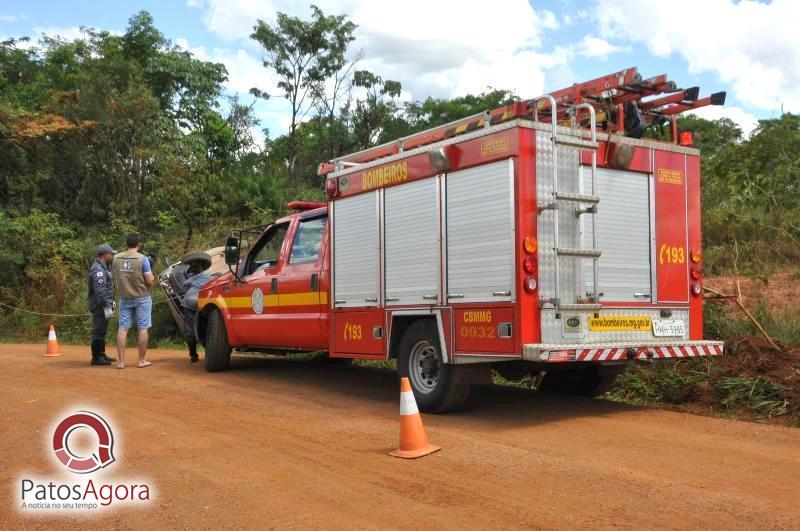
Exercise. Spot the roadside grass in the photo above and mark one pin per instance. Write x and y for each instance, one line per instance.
(724, 321)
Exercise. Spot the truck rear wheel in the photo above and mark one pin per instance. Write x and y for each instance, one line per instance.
(433, 381)
(218, 351)
(590, 381)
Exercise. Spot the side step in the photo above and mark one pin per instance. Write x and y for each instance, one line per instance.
(581, 253)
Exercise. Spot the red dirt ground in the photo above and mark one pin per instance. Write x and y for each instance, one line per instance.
(277, 443)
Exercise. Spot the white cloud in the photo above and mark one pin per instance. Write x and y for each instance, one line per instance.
(443, 48)
(245, 71)
(598, 48)
(70, 33)
(12, 18)
(746, 121)
(751, 46)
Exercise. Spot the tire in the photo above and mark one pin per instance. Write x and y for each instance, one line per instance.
(591, 381)
(203, 259)
(218, 351)
(433, 381)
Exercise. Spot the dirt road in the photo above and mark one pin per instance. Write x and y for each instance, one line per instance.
(276, 443)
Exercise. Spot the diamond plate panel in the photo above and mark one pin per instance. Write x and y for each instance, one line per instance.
(569, 226)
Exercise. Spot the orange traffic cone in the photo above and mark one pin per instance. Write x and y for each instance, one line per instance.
(52, 343)
(413, 440)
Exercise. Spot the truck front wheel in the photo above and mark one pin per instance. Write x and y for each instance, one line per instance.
(433, 381)
(218, 351)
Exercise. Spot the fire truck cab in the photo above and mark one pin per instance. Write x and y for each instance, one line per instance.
(521, 239)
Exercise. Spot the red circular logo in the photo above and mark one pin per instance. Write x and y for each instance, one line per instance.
(101, 456)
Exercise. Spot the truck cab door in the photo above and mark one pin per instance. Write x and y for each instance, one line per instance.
(303, 304)
(253, 299)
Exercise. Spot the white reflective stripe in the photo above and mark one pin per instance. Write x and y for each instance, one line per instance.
(605, 354)
(51, 336)
(408, 406)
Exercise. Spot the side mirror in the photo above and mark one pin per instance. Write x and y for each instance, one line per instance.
(232, 250)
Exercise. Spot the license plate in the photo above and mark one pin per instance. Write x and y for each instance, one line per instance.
(673, 328)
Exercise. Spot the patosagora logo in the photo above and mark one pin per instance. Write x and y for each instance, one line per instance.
(83, 442)
(103, 456)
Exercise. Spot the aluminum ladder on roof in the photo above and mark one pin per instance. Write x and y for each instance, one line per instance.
(558, 198)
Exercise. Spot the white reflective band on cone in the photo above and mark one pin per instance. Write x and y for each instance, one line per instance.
(408, 406)
(51, 336)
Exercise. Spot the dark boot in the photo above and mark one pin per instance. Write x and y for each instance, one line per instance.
(97, 353)
(103, 352)
(193, 350)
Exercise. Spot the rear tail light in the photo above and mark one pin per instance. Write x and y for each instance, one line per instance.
(697, 288)
(696, 256)
(530, 284)
(529, 264)
(695, 274)
(530, 244)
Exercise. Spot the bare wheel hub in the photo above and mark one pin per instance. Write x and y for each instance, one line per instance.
(424, 365)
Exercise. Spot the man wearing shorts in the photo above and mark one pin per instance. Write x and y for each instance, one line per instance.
(133, 277)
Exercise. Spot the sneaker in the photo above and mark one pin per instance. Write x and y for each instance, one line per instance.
(100, 361)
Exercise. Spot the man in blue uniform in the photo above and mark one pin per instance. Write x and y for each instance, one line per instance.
(197, 279)
(101, 302)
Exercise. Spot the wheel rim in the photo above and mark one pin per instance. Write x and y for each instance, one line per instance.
(423, 367)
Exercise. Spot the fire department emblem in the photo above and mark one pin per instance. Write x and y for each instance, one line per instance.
(257, 300)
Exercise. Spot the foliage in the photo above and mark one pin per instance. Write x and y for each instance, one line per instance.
(751, 192)
(303, 54)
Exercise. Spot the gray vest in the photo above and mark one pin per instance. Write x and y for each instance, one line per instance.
(128, 275)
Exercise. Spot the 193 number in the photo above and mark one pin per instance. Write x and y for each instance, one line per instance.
(671, 255)
(352, 332)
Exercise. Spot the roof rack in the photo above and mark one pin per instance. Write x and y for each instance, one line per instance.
(620, 101)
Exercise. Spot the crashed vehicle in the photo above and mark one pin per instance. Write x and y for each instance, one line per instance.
(172, 280)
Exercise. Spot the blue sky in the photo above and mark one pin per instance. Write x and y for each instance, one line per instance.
(448, 48)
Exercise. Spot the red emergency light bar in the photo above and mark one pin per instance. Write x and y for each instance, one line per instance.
(304, 205)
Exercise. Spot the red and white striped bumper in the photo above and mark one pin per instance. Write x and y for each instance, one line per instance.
(622, 351)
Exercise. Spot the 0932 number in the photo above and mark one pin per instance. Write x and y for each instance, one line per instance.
(478, 332)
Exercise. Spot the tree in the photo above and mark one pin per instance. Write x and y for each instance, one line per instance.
(376, 110)
(303, 54)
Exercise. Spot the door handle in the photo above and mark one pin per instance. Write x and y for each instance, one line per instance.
(274, 287)
(315, 282)
(392, 299)
(641, 295)
(506, 293)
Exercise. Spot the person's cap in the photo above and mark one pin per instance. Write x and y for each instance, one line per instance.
(105, 248)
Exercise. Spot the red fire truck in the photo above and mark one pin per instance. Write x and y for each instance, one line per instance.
(544, 236)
